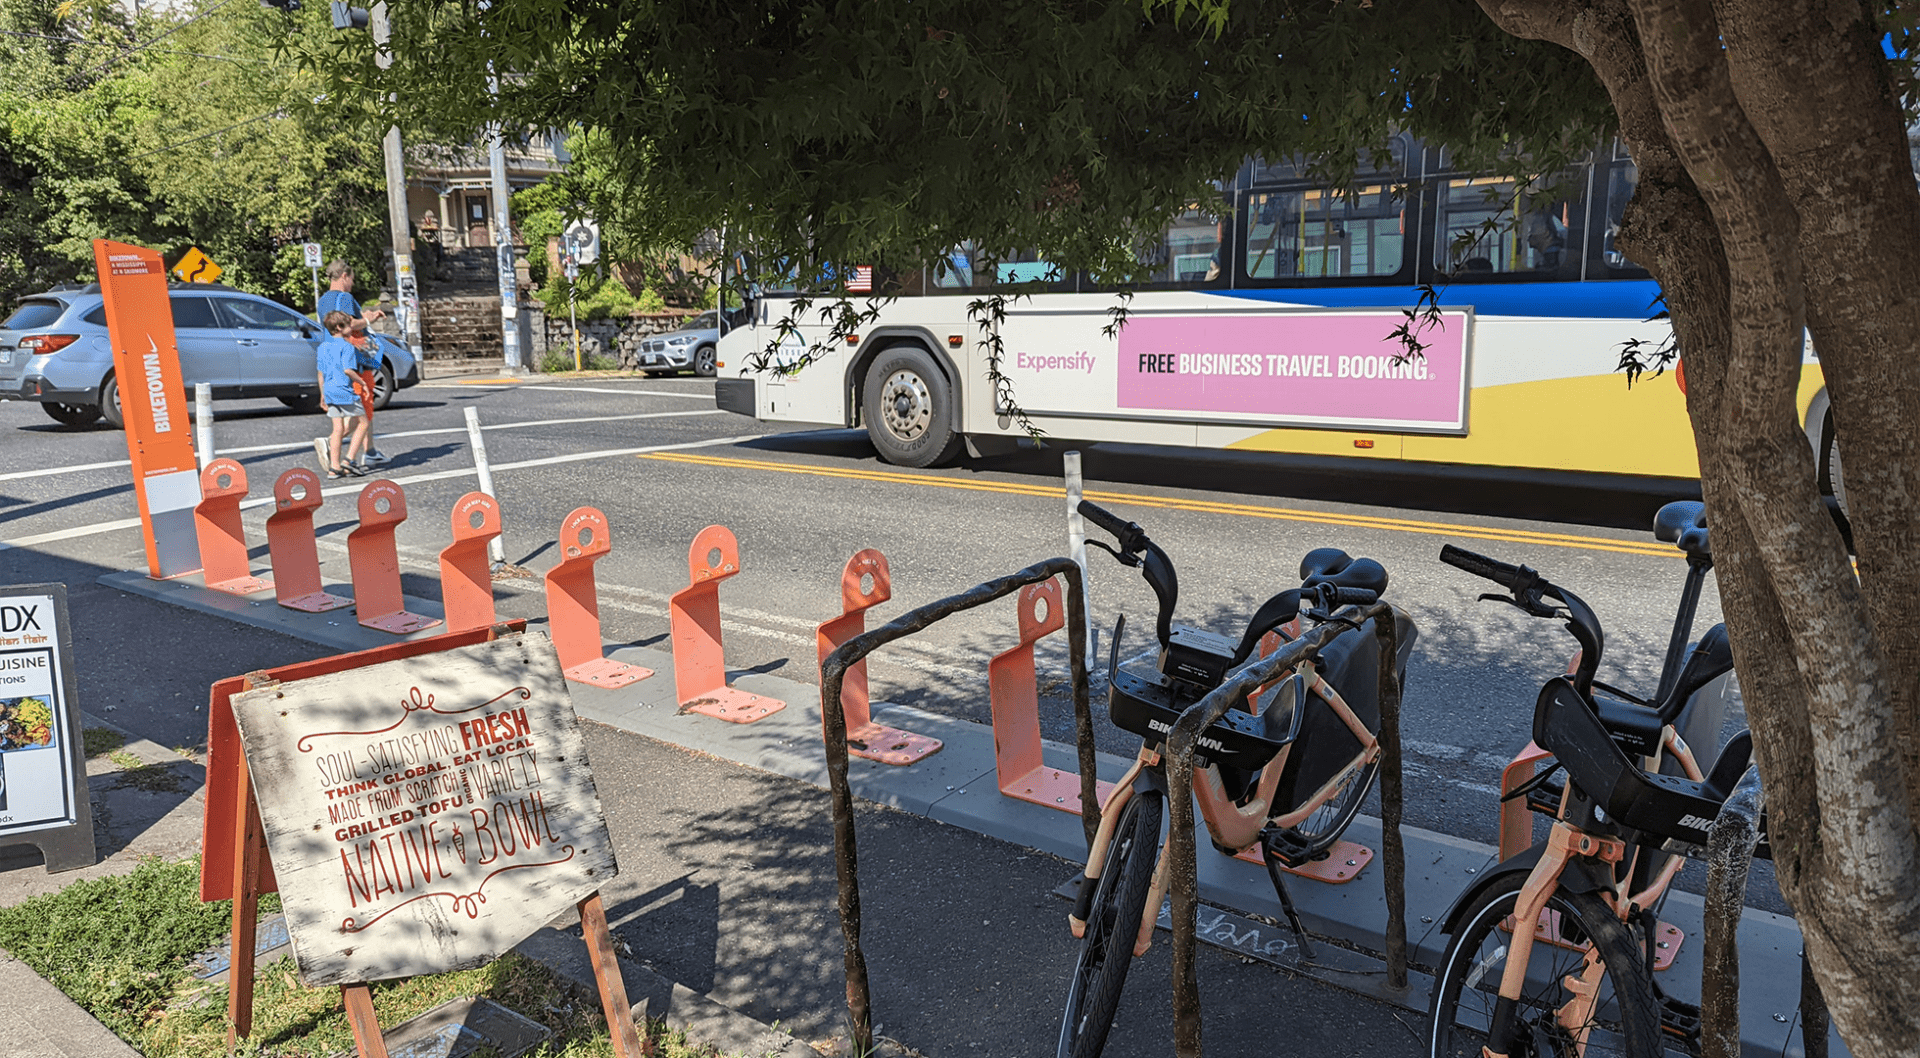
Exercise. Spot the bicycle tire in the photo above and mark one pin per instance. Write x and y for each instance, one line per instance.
(1626, 1020)
(1320, 830)
(1113, 921)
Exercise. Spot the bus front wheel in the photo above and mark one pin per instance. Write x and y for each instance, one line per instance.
(909, 408)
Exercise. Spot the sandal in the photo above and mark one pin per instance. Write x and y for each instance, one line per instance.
(335, 473)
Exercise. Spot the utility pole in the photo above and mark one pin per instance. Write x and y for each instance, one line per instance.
(503, 236)
(408, 292)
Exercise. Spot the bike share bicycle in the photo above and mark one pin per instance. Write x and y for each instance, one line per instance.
(1632, 805)
(1289, 777)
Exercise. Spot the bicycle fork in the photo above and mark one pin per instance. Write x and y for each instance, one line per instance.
(1563, 843)
(1110, 813)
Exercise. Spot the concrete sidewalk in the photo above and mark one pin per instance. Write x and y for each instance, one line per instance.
(957, 786)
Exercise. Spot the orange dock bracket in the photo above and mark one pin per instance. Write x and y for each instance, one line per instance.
(1014, 690)
(466, 572)
(573, 604)
(223, 540)
(296, 562)
(1516, 819)
(865, 584)
(375, 560)
(699, 663)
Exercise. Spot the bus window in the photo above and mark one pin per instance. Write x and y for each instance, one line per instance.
(1621, 181)
(1486, 227)
(961, 270)
(1315, 233)
(1187, 254)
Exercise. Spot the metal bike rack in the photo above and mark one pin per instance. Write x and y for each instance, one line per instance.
(864, 584)
(290, 545)
(833, 673)
(1013, 688)
(466, 571)
(699, 663)
(223, 539)
(1182, 859)
(375, 561)
(573, 604)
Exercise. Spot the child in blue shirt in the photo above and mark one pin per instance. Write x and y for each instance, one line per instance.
(337, 361)
(339, 297)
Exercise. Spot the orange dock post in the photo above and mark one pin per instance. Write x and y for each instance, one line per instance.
(466, 571)
(296, 562)
(699, 664)
(1013, 687)
(865, 584)
(573, 604)
(375, 561)
(223, 539)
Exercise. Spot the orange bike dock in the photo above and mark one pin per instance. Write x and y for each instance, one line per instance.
(376, 562)
(700, 675)
(223, 540)
(290, 542)
(573, 604)
(864, 584)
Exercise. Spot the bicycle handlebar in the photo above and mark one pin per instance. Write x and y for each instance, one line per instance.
(1110, 522)
(1135, 549)
(1508, 576)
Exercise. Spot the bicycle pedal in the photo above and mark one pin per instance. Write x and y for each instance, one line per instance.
(1679, 1019)
(1286, 846)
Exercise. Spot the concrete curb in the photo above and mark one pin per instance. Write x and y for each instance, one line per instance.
(46, 1024)
(957, 786)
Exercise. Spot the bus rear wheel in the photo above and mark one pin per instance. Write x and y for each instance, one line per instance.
(909, 408)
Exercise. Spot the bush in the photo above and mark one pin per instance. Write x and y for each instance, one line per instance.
(560, 358)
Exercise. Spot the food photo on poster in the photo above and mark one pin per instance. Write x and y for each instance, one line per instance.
(426, 814)
(35, 784)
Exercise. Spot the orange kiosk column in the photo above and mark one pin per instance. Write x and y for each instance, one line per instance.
(146, 369)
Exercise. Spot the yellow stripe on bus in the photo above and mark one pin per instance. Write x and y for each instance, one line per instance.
(1353, 521)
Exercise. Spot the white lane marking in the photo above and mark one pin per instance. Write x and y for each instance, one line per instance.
(536, 387)
(47, 471)
(304, 445)
(647, 392)
(354, 489)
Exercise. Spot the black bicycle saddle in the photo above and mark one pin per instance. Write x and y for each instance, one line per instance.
(1330, 565)
(1684, 523)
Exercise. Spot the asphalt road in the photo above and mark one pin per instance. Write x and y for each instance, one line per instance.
(802, 501)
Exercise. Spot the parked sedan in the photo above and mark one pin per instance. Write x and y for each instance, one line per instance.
(54, 350)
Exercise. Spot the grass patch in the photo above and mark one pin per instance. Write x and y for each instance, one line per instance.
(119, 947)
(153, 778)
(98, 740)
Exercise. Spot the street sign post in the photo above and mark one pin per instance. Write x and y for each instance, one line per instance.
(582, 240)
(573, 314)
(312, 252)
(153, 402)
(43, 769)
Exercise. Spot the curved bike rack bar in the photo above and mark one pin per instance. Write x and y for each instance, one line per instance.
(864, 584)
(290, 546)
(223, 539)
(833, 672)
(1181, 841)
(466, 573)
(375, 560)
(1014, 691)
(699, 662)
(573, 604)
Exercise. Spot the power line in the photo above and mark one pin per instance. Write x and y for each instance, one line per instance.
(110, 44)
(142, 47)
(205, 135)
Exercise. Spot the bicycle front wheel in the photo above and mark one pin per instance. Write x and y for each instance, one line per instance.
(1113, 921)
(1578, 942)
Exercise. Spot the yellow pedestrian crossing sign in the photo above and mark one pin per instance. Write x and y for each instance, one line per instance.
(196, 267)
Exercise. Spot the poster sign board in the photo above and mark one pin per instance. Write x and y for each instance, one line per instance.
(43, 769)
(427, 814)
(153, 400)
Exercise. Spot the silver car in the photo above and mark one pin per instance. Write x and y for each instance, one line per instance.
(54, 350)
(695, 345)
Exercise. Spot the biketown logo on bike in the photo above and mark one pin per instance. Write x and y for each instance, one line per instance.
(1203, 741)
(1080, 363)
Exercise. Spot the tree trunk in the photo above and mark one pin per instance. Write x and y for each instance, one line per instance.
(1714, 223)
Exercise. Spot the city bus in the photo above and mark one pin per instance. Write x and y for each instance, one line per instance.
(1269, 327)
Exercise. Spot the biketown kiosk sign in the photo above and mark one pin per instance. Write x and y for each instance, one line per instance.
(43, 770)
(424, 815)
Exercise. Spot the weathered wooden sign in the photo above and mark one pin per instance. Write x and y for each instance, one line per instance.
(426, 814)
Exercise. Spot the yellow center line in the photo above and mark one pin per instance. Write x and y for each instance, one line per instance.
(1354, 521)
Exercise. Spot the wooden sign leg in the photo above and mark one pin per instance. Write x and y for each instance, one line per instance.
(249, 852)
(613, 990)
(366, 1027)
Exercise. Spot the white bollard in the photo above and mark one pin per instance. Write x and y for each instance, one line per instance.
(1077, 548)
(495, 549)
(203, 421)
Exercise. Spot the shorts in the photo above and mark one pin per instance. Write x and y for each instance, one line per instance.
(344, 411)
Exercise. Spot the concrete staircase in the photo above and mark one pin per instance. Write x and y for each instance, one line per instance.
(460, 306)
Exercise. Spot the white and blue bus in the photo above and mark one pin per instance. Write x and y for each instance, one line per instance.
(1271, 329)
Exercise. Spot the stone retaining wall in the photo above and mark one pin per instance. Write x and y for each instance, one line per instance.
(613, 337)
